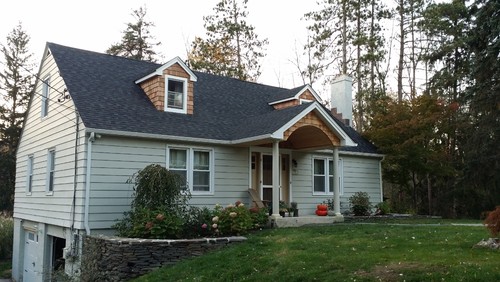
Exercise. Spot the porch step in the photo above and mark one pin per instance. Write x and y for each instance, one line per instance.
(282, 222)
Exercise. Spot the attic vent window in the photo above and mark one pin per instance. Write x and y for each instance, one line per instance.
(176, 94)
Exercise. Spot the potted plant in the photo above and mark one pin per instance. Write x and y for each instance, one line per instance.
(329, 204)
(294, 208)
(283, 208)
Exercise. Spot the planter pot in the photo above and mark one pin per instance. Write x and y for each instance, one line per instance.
(282, 213)
(296, 213)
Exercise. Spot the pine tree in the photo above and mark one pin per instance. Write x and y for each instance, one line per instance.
(480, 137)
(231, 47)
(16, 84)
(347, 38)
(137, 42)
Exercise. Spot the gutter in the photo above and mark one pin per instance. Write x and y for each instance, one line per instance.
(87, 182)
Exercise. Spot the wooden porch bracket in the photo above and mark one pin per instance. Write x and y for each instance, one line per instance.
(255, 198)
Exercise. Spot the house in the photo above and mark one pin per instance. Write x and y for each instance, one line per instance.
(96, 119)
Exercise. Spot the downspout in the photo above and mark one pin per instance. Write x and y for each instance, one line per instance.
(381, 180)
(87, 182)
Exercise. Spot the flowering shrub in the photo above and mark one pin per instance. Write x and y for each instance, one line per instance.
(232, 220)
(144, 223)
(260, 217)
(198, 223)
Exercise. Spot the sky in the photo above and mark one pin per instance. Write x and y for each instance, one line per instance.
(96, 25)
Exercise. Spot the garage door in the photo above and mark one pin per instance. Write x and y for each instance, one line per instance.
(30, 256)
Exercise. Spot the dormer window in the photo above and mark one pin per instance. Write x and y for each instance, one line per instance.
(176, 94)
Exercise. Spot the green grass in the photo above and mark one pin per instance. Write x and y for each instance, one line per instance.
(347, 252)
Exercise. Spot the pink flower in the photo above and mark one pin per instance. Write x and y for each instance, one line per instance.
(204, 226)
(160, 217)
(237, 203)
(149, 225)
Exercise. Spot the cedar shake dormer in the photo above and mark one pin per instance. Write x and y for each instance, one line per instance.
(170, 87)
(305, 95)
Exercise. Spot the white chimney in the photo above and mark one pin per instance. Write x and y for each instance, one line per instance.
(341, 96)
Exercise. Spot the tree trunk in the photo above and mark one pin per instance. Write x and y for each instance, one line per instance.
(401, 50)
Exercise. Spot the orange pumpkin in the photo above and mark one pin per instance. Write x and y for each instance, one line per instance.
(321, 213)
(322, 207)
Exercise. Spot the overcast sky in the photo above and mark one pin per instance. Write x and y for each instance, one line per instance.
(95, 25)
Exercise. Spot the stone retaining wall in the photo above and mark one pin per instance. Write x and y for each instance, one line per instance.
(120, 259)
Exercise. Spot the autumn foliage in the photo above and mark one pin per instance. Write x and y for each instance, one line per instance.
(492, 222)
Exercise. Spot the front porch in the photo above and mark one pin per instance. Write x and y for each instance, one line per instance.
(283, 222)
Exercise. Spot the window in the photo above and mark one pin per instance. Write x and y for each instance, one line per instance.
(195, 167)
(178, 163)
(176, 94)
(51, 158)
(45, 96)
(323, 176)
(29, 175)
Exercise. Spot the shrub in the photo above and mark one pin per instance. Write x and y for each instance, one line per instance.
(145, 223)
(6, 236)
(383, 208)
(232, 220)
(330, 204)
(198, 222)
(260, 217)
(155, 186)
(360, 203)
(492, 222)
(158, 207)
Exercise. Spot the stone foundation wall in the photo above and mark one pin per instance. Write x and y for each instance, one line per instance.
(120, 259)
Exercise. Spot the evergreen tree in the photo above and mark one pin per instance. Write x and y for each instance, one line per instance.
(137, 42)
(231, 48)
(480, 135)
(411, 45)
(16, 84)
(347, 38)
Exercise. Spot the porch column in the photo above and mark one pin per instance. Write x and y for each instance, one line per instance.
(336, 182)
(276, 178)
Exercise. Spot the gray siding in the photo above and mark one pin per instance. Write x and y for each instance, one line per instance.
(55, 131)
(116, 159)
(360, 173)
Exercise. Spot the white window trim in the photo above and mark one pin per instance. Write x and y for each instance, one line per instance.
(184, 97)
(29, 175)
(45, 97)
(327, 176)
(50, 162)
(190, 167)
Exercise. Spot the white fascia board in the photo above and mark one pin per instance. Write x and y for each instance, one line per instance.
(345, 140)
(176, 138)
(348, 153)
(155, 136)
(296, 96)
(159, 71)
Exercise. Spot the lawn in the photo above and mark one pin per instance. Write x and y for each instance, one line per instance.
(347, 252)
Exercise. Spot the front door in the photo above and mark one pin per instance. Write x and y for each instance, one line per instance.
(30, 256)
(262, 176)
(267, 178)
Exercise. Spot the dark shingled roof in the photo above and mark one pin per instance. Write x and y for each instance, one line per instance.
(104, 92)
